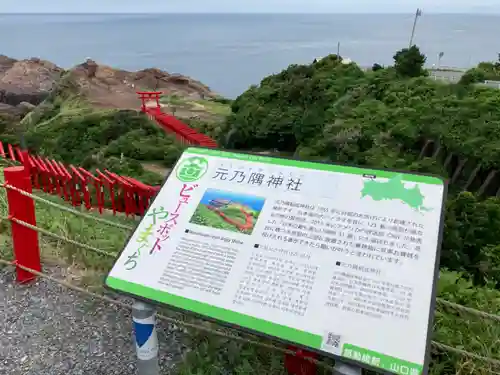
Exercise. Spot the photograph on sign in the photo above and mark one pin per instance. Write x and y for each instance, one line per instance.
(337, 259)
(226, 210)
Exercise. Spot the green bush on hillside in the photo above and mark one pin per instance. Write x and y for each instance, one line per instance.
(473, 75)
(89, 139)
(67, 128)
(484, 71)
(381, 118)
(471, 237)
(337, 112)
(74, 136)
(209, 128)
(7, 121)
(290, 107)
(409, 62)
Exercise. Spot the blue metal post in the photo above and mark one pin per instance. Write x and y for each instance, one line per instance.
(146, 339)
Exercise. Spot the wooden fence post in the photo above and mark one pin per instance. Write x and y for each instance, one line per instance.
(22, 208)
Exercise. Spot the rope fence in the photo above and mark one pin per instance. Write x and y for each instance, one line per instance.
(440, 301)
(68, 209)
(468, 310)
(60, 238)
(20, 265)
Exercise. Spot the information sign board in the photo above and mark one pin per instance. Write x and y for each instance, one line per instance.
(337, 259)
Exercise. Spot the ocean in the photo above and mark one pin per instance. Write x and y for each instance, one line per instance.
(230, 52)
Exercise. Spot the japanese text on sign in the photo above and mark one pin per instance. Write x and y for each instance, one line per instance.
(166, 220)
(239, 176)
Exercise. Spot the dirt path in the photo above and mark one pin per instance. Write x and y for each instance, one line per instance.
(47, 329)
(157, 168)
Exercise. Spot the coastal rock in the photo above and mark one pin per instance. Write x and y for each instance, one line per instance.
(108, 87)
(26, 80)
(25, 107)
(89, 68)
(9, 116)
(172, 83)
(9, 109)
(31, 80)
(6, 63)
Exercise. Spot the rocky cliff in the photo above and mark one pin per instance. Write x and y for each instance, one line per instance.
(31, 80)
(25, 81)
(105, 86)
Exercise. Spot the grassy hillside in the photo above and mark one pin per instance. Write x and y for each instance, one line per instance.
(68, 128)
(336, 112)
(207, 116)
(92, 120)
(332, 111)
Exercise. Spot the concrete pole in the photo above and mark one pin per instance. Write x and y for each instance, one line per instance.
(146, 340)
(417, 14)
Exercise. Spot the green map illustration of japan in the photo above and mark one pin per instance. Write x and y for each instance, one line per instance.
(394, 189)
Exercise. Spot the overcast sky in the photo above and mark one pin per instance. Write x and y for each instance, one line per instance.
(259, 6)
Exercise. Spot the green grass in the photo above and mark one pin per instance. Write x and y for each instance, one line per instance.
(173, 100)
(68, 128)
(215, 107)
(68, 225)
(457, 70)
(207, 106)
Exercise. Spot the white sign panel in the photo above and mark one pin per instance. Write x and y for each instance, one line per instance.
(338, 259)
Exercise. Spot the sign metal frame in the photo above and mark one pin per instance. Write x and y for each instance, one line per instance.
(371, 173)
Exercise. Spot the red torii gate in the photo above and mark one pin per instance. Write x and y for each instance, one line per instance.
(170, 123)
(147, 96)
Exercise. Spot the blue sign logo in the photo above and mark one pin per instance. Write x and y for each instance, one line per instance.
(142, 333)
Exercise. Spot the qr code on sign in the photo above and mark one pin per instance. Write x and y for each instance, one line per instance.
(332, 340)
(332, 343)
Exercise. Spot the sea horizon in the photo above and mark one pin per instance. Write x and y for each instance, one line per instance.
(485, 13)
(231, 51)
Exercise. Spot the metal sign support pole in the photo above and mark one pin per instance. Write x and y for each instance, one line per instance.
(146, 339)
(345, 369)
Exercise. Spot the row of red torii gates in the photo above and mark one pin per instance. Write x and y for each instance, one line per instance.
(102, 189)
(171, 124)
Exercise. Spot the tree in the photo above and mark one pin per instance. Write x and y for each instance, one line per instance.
(409, 62)
(482, 72)
(473, 75)
(376, 67)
